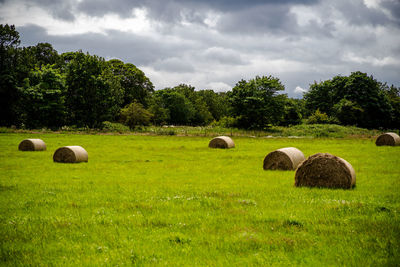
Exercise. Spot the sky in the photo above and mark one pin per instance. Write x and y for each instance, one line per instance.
(213, 44)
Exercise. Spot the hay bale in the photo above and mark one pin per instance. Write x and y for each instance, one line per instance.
(32, 145)
(70, 154)
(221, 142)
(325, 170)
(388, 139)
(287, 158)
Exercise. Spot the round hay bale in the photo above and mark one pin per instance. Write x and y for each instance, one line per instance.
(287, 158)
(388, 139)
(325, 170)
(32, 145)
(221, 142)
(70, 154)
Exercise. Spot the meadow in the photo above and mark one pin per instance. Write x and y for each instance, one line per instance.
(170, 200)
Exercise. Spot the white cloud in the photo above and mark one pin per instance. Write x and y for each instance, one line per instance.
(298, 90)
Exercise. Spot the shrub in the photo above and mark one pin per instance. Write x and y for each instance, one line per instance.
(225, 122)
(114, 127)
(319, 117)
(134, 115)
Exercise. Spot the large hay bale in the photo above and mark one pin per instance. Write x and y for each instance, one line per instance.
(287, 158)
(221, 142)
(70, 154)
(32, 145)
(388, 139)
(325, 170)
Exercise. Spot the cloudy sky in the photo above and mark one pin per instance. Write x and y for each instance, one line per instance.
(212, 44)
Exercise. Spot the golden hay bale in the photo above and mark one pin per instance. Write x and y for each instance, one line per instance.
(287, 158)
(325, 170)
(70, 154)
(388, 139)
(221, 142)
(32, 145)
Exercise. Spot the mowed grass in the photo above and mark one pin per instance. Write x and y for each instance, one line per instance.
(169, 200)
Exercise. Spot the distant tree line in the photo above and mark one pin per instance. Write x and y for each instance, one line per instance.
(41, 88)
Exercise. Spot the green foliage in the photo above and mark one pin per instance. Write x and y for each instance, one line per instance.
(114, 127)
(9, 37)
(90, 98)
(293, 112)
(9, 42)
(217, 103)
(255, 102)
(170, 200)
(226, 122)
(368, 107)
(180, 109)
(393, 94)
(134, 115)
(319, 117)
(43, 99)
(134, 84)
(348, 112)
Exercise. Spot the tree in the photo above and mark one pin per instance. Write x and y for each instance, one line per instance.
(180, 109)
(393, 94)
(369, 106)
(90, 94)
(134, 83)
(367, 93)
(134, 115)
(292, 112)
(348, 112)
(217, 103)
(256, 103)
(9, 37)
(43, 99)
(41, 54)
(9, 96)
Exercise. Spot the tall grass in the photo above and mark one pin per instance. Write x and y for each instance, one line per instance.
(171, 200)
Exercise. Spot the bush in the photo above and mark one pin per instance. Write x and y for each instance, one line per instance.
(134, 115)
(225, 122)
(114, 127)
(320, 118)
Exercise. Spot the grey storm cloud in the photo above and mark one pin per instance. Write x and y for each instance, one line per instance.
(213, 44)
(170, 10)
(115, 44)
(393, 6)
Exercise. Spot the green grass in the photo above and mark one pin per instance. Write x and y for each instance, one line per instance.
(170, 200)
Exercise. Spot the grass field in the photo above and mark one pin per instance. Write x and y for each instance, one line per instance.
(170, 200)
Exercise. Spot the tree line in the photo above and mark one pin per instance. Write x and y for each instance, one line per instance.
(41, 88)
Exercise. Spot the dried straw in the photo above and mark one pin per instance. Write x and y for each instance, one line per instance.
(221, 142)
(388, 139)
(325, 170)
(70, 154)
(287, 158)
(32, 145)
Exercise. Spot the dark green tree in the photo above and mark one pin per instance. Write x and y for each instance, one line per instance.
(348, 112)
(90, 95)
(393, 94)
(292, 112)
(43, 99)
(9, 53)
(180, 109)
(217, 103)
(365, 91)
(134, 83)
(369, 105)
(256, 103)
